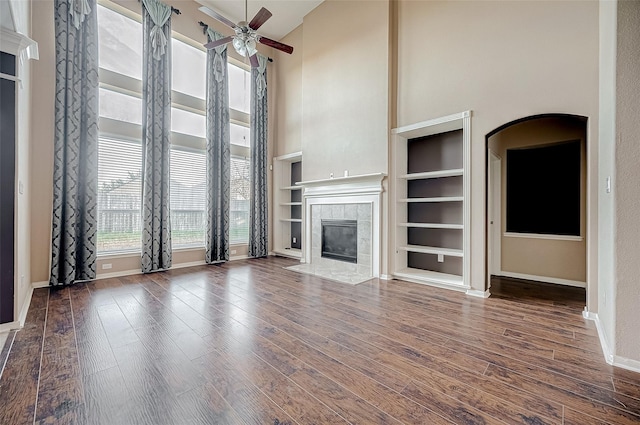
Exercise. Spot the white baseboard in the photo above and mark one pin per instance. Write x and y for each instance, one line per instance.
(238, 257)
(25, 307)
(118, 274)
(609, 356)
(545, 279)
(189, 264)
(42, 284)
(478, 293)
(385, 277)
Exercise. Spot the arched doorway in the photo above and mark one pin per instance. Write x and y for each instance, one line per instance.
(536, 185)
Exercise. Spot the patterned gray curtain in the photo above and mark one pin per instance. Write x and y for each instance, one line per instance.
(156, 129)
(218, 154)
(258, 220)
(75, 162)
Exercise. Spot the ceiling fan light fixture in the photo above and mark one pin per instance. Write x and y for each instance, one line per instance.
(245, 45)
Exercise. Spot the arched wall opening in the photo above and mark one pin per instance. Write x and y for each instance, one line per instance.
(536, 200)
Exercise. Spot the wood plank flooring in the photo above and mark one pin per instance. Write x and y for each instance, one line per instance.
(249, 342)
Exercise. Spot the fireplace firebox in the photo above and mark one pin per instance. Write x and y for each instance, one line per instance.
(340, 240)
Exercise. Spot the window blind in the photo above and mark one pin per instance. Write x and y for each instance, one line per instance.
(188, 197)
(119, 189)
(239, 209)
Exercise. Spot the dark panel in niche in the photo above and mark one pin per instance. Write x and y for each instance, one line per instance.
(444, 238)
(7, 64)
(296, 210)
(435, 212)
(418, 260)
(434, 188)
(441, 151)
(7, 187)
(543, 189)
(296, 232)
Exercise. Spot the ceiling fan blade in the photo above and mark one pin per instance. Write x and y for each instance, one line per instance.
(261, 17)
(275, 44)
(217, 43)
(254, 60)
(215, 15)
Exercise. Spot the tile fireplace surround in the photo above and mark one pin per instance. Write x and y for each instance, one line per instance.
(345, 198)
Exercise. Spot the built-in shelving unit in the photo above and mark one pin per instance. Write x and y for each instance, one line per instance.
(431, 208)
(287, 171)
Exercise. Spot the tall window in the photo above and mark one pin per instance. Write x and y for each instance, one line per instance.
(120, 150)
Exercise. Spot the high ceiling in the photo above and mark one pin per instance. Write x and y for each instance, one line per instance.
(287, 14)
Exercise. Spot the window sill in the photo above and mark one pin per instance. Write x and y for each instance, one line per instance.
(130, 254)
(541, 236)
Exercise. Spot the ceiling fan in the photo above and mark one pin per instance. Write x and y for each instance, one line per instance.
(245, 38)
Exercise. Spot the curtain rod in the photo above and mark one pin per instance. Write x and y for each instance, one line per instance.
(204, 31)
(173, 9)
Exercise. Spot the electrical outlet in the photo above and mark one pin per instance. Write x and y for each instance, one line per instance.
(106, 266)
(440, 258)
(233, 251)
(295, 240)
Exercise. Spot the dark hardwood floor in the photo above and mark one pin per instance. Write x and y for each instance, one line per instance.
(249, 342)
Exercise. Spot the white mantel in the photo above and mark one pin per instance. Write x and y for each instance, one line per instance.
(364, 189)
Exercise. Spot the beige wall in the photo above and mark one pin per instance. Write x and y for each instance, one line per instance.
(560, 259)
(345, 89)
(288, 95)
(627, 196)
(504, 61)
(41, 171)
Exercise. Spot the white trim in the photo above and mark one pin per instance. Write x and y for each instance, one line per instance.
(25, 307)
(189, 264)
(290, 157)
(540, 236)
(365, 184)
(608, 354)
(122, 273)
(236, 257)
(41, 284)
(545, 279)
(477, 293)
(437, 125)
(9, 77)
(9, 326)
(385, 277)
(13, 43)
(625, 363)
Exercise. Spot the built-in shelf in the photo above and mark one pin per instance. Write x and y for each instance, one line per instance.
(433, 174)
(287, 200)
(432, 225)
(431, 208)
(429, 276)
(436, 199)
(436, 250)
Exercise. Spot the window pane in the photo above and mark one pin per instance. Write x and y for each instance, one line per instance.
(239, 135)
(188, 122)
(239, 210)
(188, 190)
(120, 43)
(239, 88)
(189, 69)
(121, 107)
(119, 189)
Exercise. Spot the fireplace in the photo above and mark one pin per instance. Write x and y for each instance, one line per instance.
(340, 240)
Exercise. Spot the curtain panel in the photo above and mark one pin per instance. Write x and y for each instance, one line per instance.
(156, 130)
(75, 163)
(258, 220)
(218, 154)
